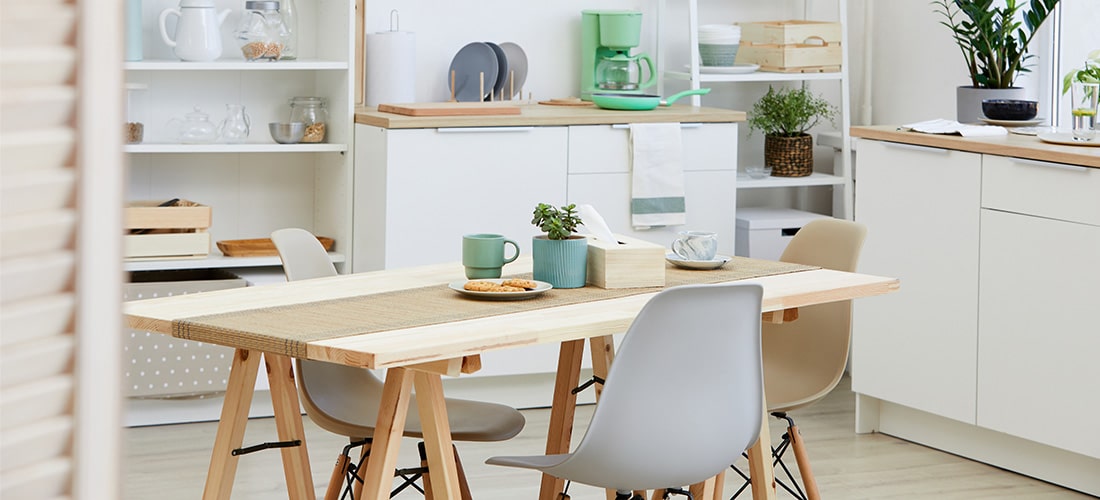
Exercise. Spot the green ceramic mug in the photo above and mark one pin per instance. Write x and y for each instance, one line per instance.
(483, 255)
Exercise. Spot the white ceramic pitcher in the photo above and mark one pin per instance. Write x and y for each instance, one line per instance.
(198, 31)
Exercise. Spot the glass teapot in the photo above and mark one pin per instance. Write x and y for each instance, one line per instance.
(624, 72)
(195, 128)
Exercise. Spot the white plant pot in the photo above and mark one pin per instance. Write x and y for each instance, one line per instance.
(968, 101)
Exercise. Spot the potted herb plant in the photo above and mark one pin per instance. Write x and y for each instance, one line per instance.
(784, 116)
(993, 41)
(560, 256)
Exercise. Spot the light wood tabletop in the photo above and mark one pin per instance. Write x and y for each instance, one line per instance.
(418, 355)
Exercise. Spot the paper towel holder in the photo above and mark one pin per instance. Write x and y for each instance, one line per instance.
(395, 20)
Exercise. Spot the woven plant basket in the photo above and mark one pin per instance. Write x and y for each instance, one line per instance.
(789, 156)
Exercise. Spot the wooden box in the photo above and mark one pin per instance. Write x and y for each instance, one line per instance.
(632, 264)
(791, 46)
(157, 229)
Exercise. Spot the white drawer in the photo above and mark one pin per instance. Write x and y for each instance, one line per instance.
(605, 149)
(1053, 190)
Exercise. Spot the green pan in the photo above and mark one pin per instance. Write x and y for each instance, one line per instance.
(639, 102)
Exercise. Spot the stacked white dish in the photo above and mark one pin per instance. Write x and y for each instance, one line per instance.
(718, 44)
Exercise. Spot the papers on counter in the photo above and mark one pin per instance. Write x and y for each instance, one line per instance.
(953, 127)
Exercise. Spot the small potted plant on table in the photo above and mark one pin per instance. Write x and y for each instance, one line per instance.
(784, 116)
(560, 257)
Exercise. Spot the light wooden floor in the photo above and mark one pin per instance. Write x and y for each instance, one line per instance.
(169, 462)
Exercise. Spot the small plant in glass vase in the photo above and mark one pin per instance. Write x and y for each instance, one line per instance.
(560, 256)
(784, 116)
(1083, 85)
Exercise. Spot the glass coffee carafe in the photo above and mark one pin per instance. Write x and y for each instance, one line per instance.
(624, 72)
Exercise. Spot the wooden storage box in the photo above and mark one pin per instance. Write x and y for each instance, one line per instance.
(791, 46)
(159, 230)
(633, 264)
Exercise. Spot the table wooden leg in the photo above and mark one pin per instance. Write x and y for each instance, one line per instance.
(760, 463)
(437, 435)
(387, 434)
(288, 424)
(561, 413)
(706, 489)
(234, 417)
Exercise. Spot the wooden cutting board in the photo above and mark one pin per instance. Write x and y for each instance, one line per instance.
(450, 108)
(259, 247)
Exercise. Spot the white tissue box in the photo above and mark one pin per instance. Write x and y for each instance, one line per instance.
(632, 264)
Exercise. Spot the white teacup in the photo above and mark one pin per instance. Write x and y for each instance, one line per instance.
(696, 245)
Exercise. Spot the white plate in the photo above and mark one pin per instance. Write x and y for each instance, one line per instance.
(541, 286)
(1030, 130)
(1012, 123)
(1067, 138)
(517, 65)
(468, 65)
(736, 69)
(715, 263)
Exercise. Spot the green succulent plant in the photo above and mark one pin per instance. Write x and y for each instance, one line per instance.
(557, 223)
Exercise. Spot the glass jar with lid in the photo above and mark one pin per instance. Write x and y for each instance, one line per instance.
(313, 112)
(261, 33)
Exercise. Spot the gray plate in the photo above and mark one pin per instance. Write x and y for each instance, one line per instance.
(469, 63)
(502, 70)
(517, 64)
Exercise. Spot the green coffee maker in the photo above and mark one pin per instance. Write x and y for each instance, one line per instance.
(607, 66)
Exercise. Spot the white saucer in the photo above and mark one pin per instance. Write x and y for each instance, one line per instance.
(1067, 138)
(736, 69)
(1012, 123)
(1030, 130)
(541, 286)
(715, 263)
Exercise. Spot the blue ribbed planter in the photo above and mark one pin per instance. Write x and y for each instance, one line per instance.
(562, 263)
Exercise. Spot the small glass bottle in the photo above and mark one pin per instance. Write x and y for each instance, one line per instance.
(135, 128)
(289, 12)
(312, 111)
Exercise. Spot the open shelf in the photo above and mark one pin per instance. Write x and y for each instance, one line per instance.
(236, 65)
(758, 76)
(236, 148)
(213, 261)
(814, 179)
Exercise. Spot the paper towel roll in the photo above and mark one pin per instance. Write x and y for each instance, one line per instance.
(391, 68)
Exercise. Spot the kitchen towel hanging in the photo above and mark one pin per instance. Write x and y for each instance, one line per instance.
(391, 66)
(657, 175)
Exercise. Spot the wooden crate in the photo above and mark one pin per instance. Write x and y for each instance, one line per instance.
(632, 264)
(790, 32)
(791, 46)
(177, 230)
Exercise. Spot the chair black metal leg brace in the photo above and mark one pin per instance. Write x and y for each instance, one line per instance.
(409, 475)
(629, 495)
(777, 456)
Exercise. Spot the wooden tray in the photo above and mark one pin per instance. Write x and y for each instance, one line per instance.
(259, 247)
(450, 109)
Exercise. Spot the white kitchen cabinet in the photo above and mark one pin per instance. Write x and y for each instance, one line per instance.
(257, 186)
(918, 347)
(599, 174)
(686, 67)
(1038, 280)
(419, 190)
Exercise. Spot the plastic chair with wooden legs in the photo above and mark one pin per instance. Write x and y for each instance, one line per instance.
(344, 400)
(805, 359)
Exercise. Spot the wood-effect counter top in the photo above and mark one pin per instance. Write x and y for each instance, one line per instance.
(1014, 145)
(545, 115)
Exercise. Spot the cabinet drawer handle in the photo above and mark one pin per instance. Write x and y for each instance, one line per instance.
(622, 126)
(1062, 166)
(461, 130)
(914, 147)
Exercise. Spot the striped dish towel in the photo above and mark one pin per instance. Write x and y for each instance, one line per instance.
(657, 180)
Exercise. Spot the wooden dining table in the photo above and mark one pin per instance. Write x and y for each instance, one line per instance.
(373, 320)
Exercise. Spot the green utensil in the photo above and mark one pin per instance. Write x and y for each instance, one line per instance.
(639, 102)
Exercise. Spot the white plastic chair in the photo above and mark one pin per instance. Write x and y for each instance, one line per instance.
(682, 399)
(805, 359)
(344, 400)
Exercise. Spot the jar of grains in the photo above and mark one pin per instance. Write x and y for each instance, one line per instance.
(135, 128)
(313, 112)
(261, 33)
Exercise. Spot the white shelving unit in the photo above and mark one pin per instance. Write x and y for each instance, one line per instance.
(841, 179)
(258, 186)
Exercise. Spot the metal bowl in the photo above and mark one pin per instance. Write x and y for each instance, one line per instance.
(287, 133)
(1009, 109)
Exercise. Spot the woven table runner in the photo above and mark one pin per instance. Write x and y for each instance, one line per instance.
(287, 329)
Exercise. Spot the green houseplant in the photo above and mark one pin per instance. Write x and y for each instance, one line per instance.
(784, 116)
(993, 36)
(1089, 73)
(560, 256)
